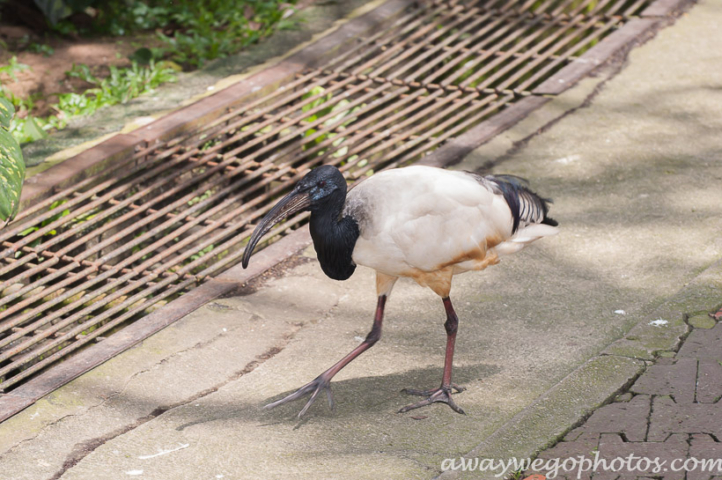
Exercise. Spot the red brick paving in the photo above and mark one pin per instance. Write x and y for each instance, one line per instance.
(672, 421)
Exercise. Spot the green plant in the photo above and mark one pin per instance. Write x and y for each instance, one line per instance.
(44, 223)
(29, 129)
(12, 165)
(199, 254)
(121, 86)
(12, 68)
(212, 29)
(206, 195)
(26, 128)
(193, 32)
(55, 10)
(46, 50)
(47, 221)
(23, 129)
(341, 107)
(517, 474)
(145, 17)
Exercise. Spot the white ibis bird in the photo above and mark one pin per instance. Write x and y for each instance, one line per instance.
(425, 223)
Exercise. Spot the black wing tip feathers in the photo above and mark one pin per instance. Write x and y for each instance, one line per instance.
(550, 221)
(525, 204)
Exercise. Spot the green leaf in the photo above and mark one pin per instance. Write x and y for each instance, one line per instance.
(339, 106)
(28, 231)
(33, 131)
(6, 112)
(143, 56)
(54, 10)
(12, 174)
(12, 68)
(12, 166)
(321, 100)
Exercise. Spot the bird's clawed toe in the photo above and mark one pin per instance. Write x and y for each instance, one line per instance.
(316, 386)
(437, 395)
(428, 393)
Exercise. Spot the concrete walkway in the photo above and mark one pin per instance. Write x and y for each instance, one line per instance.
(633, 160)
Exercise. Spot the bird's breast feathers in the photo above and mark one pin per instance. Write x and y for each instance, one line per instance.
(428, 219)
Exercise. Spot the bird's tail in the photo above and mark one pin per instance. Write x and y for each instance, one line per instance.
(527, 208)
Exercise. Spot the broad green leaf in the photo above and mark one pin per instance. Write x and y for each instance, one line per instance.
(12, 174)
(6, 112)
(79, 5)
(33, 130)
(54, 10)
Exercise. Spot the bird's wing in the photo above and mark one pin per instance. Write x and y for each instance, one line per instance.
(528, 211)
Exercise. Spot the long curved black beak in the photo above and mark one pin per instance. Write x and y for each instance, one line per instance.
(294, 202)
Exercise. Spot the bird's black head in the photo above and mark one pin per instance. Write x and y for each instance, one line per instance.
(322, 188)
(323, 185)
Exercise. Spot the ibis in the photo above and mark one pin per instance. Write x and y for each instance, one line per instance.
(421, 222)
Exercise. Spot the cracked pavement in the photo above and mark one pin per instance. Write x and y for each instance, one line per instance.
(206, 353)
(635, 173)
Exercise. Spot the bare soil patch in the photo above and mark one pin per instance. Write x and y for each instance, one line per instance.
(46, 76)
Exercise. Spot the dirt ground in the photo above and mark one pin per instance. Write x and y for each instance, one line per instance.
(46, 75)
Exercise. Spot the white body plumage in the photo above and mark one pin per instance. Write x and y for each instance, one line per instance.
(429, 224)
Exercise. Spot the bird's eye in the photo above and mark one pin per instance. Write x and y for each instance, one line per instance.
(322, 183)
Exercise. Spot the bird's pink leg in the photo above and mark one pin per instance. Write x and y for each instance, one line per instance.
(323, 381)
(443, 393)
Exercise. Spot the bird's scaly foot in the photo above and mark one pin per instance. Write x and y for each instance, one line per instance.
(437, 395)
(316, 386)
(428, 393)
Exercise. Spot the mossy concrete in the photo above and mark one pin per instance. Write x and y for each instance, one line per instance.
(540, 424)
(701, 320)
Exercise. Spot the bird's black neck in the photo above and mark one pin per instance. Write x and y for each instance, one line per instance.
(334, 238)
